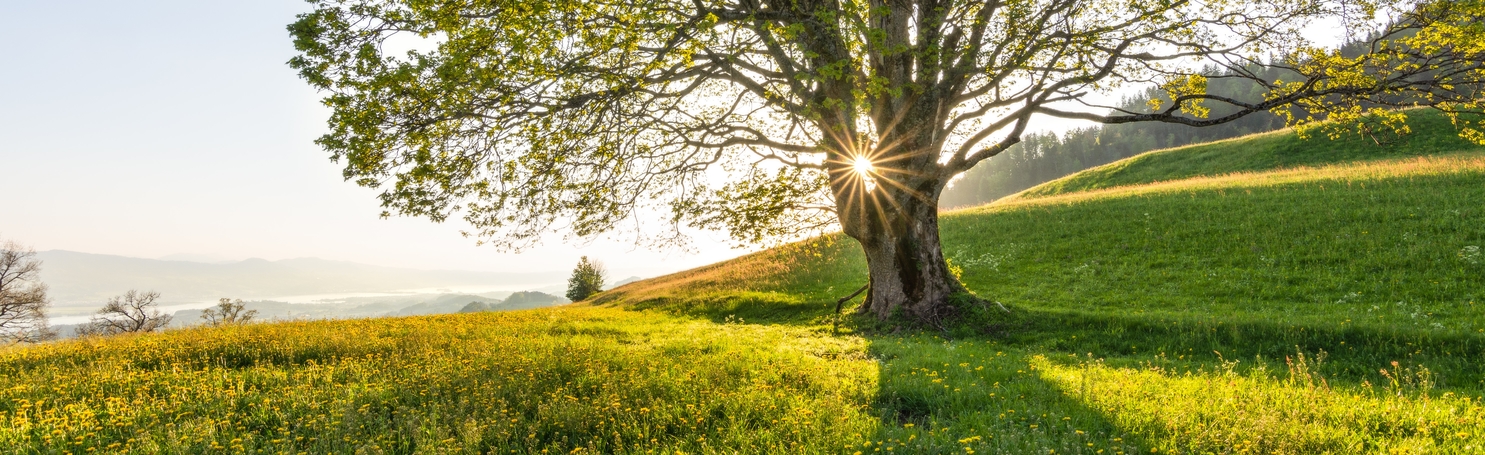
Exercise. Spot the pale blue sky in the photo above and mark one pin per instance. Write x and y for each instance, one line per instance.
(169, 127)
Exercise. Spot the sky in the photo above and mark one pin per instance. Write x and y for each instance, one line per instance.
(168, 128)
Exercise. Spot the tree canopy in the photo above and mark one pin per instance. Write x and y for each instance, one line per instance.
(587, 279)
(773, 118)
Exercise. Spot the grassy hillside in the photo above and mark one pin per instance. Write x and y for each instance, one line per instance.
(1200, 307)
(1433, 134)
(1329, 309)
(542, 381)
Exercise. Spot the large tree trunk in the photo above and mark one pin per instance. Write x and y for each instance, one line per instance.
(897, 226)
(907, 268)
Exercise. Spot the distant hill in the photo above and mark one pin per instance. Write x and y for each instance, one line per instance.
(79, 282)
(1433, 134)
(624, 281)
(517, 301)
(447, 303)
(528, 299)
(1045, 156)
(475, 307)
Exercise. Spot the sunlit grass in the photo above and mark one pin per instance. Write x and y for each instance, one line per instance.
(1433, 133)
(550, 381)
(1289, 412)
(1336, 308)
(1155, 290)
(1358, 173)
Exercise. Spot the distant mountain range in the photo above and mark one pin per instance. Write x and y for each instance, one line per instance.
(80, 282)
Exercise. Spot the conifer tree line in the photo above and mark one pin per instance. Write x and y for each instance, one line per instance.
(1046, 156)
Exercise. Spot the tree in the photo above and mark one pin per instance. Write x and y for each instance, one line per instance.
(587, 279)
(774, 119)
(133, 312)
(227, 312)
(23, 300)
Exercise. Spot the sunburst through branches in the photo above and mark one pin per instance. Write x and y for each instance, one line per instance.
(863, 166)
(865, 171)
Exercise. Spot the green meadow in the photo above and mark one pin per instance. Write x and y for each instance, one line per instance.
(1246, 296)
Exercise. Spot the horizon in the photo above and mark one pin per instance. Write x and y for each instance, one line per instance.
(205, 260)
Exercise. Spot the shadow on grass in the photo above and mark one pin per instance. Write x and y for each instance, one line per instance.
(977, 396)
(999, 387)
(978, 389)
(1352, 353)
(751, 307)
(935, 395)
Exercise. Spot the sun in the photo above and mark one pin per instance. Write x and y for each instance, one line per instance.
(863, 166)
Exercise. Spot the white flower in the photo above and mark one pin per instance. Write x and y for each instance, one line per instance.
(1470, 254)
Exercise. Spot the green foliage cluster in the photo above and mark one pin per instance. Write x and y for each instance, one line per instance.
(587, 279)
(584, 114)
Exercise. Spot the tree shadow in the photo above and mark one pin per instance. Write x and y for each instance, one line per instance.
(940, 393)
(937, 395)
(1028, 413)
(750, 307)
(1353, 353)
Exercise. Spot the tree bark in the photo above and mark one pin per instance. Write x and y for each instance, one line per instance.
(907, 267)
(896, 224)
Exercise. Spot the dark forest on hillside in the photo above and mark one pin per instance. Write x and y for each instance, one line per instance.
(1042, 157)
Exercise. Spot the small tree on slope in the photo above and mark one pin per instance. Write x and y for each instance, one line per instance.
(587, 279)
(773, 119)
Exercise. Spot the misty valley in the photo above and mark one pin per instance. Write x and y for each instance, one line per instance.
(291, 289)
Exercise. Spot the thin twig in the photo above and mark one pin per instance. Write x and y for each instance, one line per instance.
(836, 329)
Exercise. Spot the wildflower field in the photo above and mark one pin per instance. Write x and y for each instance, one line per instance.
(1335, 308)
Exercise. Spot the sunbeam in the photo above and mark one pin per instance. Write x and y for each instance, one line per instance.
(863, 166)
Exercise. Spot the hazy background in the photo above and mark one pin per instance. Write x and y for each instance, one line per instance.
(174, 130)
